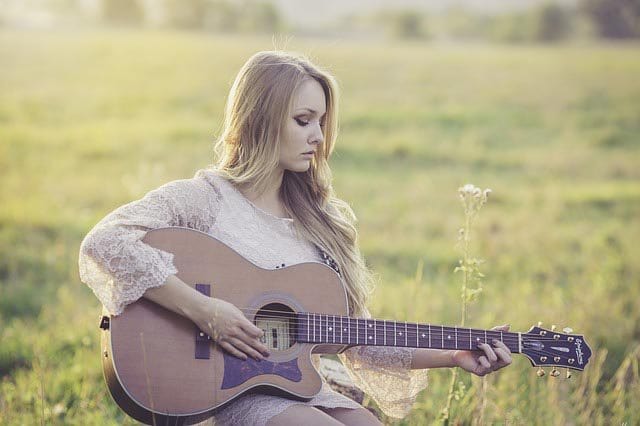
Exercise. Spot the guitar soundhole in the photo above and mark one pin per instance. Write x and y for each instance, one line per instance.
(278, 323)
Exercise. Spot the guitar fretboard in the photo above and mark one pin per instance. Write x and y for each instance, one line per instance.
(321, 328)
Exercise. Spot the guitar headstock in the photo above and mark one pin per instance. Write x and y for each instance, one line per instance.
(552, 348)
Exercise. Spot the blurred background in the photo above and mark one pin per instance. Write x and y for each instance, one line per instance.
(104, 100)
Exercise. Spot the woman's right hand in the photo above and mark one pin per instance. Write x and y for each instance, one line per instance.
(229, 328)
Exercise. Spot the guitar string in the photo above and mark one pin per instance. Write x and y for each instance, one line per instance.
(364, 323)
(295, 315)
(361, 325)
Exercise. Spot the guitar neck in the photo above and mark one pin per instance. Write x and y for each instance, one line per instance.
(335, 329)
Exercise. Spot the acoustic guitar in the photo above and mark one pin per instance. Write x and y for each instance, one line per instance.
(161, 369)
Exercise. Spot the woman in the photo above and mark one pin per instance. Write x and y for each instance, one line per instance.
(269, 197)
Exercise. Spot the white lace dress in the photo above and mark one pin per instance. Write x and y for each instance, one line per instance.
(119, 268)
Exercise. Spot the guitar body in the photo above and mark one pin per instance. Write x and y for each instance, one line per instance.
(161, 370)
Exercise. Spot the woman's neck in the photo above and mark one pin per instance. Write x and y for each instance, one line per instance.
(269, 200)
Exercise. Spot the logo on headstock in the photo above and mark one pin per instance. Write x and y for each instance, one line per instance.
(579, 350)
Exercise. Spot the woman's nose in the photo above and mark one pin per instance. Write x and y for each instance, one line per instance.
(318, 135)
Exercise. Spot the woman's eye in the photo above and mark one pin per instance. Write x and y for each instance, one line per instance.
(301, 122)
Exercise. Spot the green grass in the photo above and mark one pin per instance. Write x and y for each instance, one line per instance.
(89, 121)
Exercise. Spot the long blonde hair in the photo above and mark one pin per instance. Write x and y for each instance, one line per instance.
(248, 148)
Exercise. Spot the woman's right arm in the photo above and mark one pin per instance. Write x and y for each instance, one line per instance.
(120, 268)
(219, 319)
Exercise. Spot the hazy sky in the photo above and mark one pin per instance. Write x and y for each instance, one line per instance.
(315, 12)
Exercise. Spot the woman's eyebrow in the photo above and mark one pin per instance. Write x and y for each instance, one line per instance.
(310, 110)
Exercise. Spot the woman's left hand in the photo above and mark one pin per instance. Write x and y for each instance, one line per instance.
(492, 358)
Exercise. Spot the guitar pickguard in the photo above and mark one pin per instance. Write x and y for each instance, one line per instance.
(237, 371)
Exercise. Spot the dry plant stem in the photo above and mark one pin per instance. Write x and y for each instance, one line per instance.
(465, 278)
(473, 199)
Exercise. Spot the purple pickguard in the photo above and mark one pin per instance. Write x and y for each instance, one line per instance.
(237, 371)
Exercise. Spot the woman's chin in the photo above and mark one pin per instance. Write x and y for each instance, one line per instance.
(301, 167)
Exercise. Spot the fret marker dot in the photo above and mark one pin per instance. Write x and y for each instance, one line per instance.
(370, 325)
(477, 339)
(449, 337)
(345, 329)
(329, 328)
(369, 337)
(422, 334)
(400, 333)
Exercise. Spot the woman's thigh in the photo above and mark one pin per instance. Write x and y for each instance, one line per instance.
(353, 417)
(300, 414)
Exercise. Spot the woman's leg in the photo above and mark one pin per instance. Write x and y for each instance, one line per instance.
(353, 417)
(300, 414)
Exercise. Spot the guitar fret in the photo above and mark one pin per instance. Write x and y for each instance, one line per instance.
(455, 332)
(405, 333)
(384, 327)
(334, 329)
(395, 340)
(429, 332)
(375, 333)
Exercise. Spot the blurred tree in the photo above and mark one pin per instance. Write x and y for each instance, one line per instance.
(262, 17)
(405, 24)
(187, 13)
(222, 16)
(511, 28)
(551, 22)
(122, 12)
(460, 23)
(614, 18)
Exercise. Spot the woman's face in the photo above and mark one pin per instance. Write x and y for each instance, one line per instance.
(304, 127)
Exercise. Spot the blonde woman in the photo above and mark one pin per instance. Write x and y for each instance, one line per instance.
(269, 197)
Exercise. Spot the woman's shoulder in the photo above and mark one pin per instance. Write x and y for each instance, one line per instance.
(204, 185)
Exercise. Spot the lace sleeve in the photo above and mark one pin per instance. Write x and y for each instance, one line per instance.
(113, 260)
(385, 374)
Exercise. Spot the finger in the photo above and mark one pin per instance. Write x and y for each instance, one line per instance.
(251, 329)
(488, 350)
(504, 327)
(499, 344)
(232, 350)
(505, 358)
(255, 343)
(484, 362)
(246, 349)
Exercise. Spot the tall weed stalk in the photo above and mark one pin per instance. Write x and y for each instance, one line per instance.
(472, 199)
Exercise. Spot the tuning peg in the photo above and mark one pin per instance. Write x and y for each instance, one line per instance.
(539, 323)
(540, 372)
(553, 327)
(567, 330)
(568, 376)
(554, 372)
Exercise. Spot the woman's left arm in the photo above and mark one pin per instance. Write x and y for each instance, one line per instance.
(490, 358)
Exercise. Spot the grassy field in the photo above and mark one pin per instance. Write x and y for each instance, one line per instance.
(89, 121)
